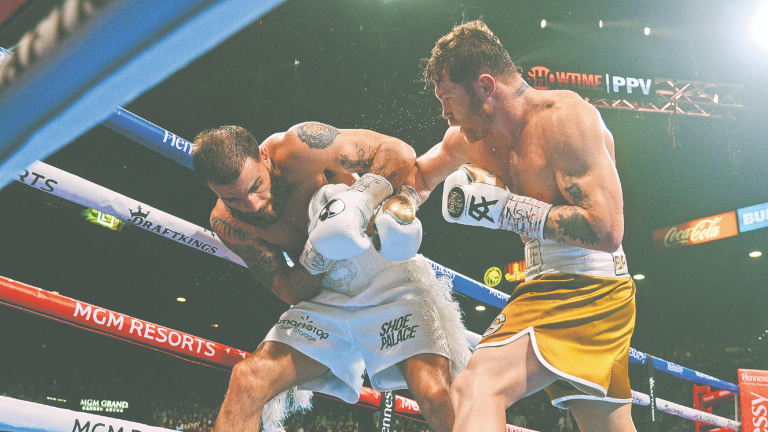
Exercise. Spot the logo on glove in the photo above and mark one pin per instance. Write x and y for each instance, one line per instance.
(333, 208)
(480, 210)
(456, 201)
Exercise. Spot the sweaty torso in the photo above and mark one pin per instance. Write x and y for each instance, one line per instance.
(521, 162)
(302, 179)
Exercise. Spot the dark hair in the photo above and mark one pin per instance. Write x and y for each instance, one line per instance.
(469, 50)
(220, 154)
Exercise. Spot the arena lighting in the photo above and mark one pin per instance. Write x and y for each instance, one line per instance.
(755, 254)
(760, 25)
(214, 325)
(600, 24)
(480, 308)
(638, 277)
(543, 23)
(181, 299)
(647, 31)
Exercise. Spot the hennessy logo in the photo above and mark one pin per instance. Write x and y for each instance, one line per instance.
(480, 210)
(138, 213)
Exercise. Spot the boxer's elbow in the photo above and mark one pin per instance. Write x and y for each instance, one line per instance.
(294, 290)
(610, 240)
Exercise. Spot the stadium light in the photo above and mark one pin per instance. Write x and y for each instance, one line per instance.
(638, 277)
(543, 23)
(480, 308)
(647, 31)
(181, 299)
(755, 254)
(600, 24)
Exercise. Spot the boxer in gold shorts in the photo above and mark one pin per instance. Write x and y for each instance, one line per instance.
(542, 165)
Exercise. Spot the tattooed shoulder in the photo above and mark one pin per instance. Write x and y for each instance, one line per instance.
(227, 230)
(317, 135)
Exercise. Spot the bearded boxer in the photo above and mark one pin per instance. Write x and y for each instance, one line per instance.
(540, 164)
(360, 302)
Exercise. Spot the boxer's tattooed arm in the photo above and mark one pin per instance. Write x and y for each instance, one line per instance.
(264, 260)
(317, 135)
(565, 222)
(360, 163)
(580, 198)
(227, 231)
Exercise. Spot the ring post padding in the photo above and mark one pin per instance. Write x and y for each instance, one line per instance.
(128, 47)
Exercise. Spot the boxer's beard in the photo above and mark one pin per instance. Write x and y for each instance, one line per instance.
(271, 212)
(478, 123)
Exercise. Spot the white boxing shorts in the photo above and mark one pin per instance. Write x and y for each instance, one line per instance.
(371, 314)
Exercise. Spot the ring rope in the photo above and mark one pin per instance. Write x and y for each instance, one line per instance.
(19, 415)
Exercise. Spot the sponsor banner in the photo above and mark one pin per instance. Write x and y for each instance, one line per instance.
(716, 398)
(471, 287)
(105, 405)
(684, 411)
(698, 231)
(753, 385)
(692, 375)
(386, 411)
(515, 271)
(752, 218)
(118, 325)
(72, 188)
(18, 415)
(594, 84)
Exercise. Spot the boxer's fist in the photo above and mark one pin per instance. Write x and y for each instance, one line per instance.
(474, 196)
(396, 232)
(339, 232)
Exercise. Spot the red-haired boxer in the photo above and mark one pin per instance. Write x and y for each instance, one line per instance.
(360, 303)
(567, 328)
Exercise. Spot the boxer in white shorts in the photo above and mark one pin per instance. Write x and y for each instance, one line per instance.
(362, 301)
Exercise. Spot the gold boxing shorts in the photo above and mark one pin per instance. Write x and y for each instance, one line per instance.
(580, 327)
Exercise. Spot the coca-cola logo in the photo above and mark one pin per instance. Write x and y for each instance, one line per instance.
(706, 229)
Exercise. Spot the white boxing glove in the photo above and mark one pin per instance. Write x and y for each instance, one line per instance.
(313, 261)
(396, 232)
(339, 232)
(475, 196)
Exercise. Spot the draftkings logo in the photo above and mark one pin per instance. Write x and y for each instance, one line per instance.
(140, 219)
(398, 330)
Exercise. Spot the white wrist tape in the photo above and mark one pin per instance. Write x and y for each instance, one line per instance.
(525, 216)
(409, 193)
